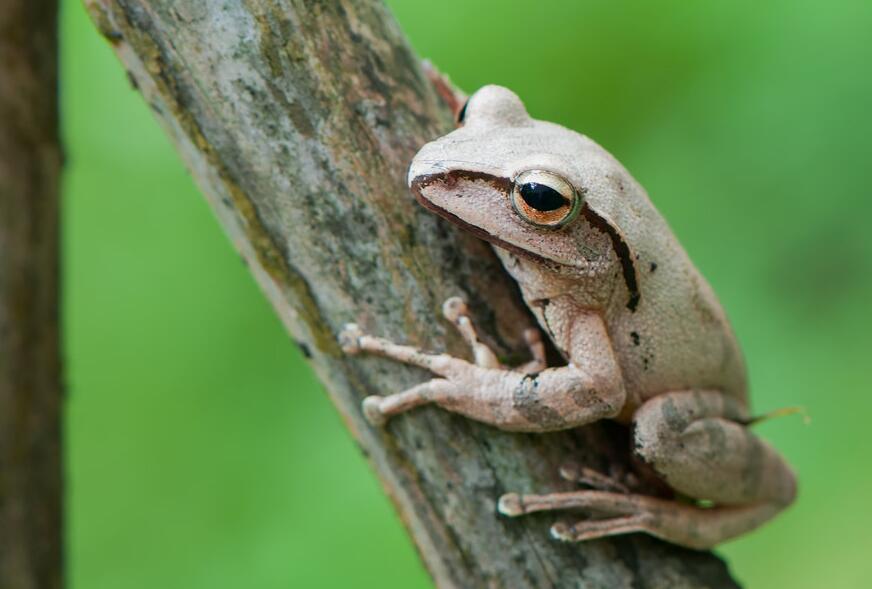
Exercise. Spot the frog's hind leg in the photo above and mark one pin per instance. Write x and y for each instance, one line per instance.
(682, 524)
(618, 513)
(697, 443)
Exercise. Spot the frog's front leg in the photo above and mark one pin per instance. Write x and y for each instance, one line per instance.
(455, 310)
(553, 399)
(698, 443)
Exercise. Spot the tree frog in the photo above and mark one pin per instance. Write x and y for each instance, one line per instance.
(644, 338)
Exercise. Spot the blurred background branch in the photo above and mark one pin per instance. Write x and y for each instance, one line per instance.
(298, 120)
(30, 381)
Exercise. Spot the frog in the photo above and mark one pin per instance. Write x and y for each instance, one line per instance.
(644, 338)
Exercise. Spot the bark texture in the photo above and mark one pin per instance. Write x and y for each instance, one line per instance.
(298, 120)
(30, 387)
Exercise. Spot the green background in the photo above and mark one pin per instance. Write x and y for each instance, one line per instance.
(203, 453)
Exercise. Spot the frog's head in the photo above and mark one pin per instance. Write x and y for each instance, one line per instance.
(517, 182)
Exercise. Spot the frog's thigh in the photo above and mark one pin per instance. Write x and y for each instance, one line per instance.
(693, 442)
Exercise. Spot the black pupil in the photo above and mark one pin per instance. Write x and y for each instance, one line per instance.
(542, 198)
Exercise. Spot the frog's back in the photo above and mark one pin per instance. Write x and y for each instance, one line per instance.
(671, 334)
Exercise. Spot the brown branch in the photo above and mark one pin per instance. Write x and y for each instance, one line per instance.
(30, 389)
(298, 120)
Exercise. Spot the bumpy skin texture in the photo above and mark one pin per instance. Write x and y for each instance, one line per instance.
(644, 337)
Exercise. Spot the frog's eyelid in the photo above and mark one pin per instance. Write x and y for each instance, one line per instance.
(454, 161)
(481, 165)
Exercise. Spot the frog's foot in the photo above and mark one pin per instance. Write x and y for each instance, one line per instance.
(353, 340)
(574, 472)
(488, 392)
(684, 524)
(615, 513)
(598, 528)
(692, 439)
(455, 310)
(603, 502)
(378, 409)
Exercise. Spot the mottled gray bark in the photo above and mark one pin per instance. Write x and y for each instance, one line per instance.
(30, 388)
(298, 120)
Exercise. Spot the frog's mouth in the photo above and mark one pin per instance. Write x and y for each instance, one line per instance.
(448, 180)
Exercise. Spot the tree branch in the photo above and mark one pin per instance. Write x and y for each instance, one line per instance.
(30, 388)
(298, 120)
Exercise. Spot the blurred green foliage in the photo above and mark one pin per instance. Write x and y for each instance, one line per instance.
(203, 453)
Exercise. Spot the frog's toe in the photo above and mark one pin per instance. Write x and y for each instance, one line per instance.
(562, 531)
(576, 473)
(592, 529)
(373, 412)
(349, 338)
(511, 505)
(454, 308)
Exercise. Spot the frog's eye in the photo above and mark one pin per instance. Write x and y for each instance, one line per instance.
(545, 199)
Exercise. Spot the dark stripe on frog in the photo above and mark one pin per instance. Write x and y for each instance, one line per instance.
(448, 178)
(504, 185)
(622, 250)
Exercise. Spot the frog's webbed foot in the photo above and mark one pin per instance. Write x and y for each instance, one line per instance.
(378, 409)
(616, 513)
(600, 502)
(693, 440)
(617, 481)
(531, 398)
(598, 528)
(612, 514)
(456, 373)
(455, 311)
